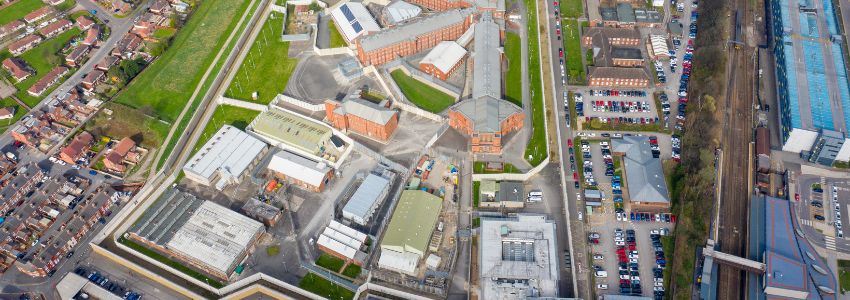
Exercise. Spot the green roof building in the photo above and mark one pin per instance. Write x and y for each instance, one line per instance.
(282, 127)
(412, 223)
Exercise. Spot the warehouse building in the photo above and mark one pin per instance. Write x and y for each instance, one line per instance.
(399, 11)
(225, 158)
(363, 117)
(486, 118)
(413, 37)
(300, 171)
(645, 183)
(366, 199)
(296, 133)
(207, 236)
(812, 87)
(444, 59)
(518, 258)
(409, 232)
(343, 242)
(353, 20)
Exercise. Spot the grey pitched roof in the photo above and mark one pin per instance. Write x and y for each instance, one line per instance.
(486, 80)
(644, 173)
(625, 13)
(608, 13)
(413, 29)
(366, 110)
(487, 113)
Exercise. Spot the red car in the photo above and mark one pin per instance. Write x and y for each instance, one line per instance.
(555, 3)
(672, 218)
(570, 142)
(797, 197)
(575, 176)
(561, 53)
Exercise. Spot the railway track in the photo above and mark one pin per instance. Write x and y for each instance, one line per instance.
(736, 136)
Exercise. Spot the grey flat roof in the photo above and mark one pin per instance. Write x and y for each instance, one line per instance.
(413, 29)
(486, 76)
(626, 53)
(366, 195)
(644, 174)
(510, 191)
(487, 113)
(167, 215)
(625, 13)
(230, 150)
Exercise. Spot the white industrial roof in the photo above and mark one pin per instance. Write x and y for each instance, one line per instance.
(800, 140)
(230, 150)
(342, 239)
(397, 261)
(299, 167)
(399, 11)
(659, 45)
(354, 20)
(215, 236)
(445, 56)
(366, 196)
(844, 152)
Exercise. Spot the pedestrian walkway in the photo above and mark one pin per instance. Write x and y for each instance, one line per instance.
(830, 242)
(806, 222)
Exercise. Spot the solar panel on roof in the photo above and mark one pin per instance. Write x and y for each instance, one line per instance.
(347, 12)
(357, 27)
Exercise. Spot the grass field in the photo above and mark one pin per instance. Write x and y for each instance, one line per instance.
(572, 8)
(167, 84)
(352, 271)
(476, 193)
(572, 51)
(330, 262)
(226, 115)
(536, 151)
(844, 275)
(126, 121)
(42, 59)
(18, 10)
(324, 288)
(336, 38)
(165, 260)
(267, 67)
(479, 168)
(513, 76)
(422, 95)
(19, 112)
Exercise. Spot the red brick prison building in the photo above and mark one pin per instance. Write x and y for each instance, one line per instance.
(362, 117)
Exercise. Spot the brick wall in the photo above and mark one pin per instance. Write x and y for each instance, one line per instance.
(413, 46)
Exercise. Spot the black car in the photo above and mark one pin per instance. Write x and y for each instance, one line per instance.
(819, 217)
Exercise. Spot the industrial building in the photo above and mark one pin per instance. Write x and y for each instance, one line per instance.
(300, 171)
(413, 37)
(518, 258)
(366, 199)
(409, 232)
(353, 20)
(207, 236)
(292, 131)
(502, 194)
(812, 87)
(486, 118)
(645, 183)
(261, 211)
(444, 59)
(623, 15)
(399, 11)
(363, 117)
(224, 158)
(343, 242)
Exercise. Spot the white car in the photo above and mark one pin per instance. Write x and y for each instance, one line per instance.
(52, 159)
(602, 286)
(621, 244)
(591, 134)
(633, 260)
(659, 288)
(61, 162)
(601, 274)
(76, 167)
(659, 283)
(617, 135)
(625, 277)
(654, 231)
(619, 239)
(580, 217)
(598, 257)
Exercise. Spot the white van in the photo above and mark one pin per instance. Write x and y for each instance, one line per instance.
(601, 274)
(535, 199)
(535, 194)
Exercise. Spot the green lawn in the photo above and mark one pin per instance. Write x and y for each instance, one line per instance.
(572, 8)
(352, 271)
(226, 115)
(337, 40)
(479, 168)
(572, 51)
(19, 112)
(126, 121)
(421, 94)
(166, 85)
(165, 260)
(42, 59)
(535, 152)
(18, 10)
(476, 191)
(513, 80)
(324, 288)
(267, 67)
(273, 250)
(330, 262)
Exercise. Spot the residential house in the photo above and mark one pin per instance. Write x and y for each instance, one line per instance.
(160, 7)
(24, 44)
(92, 79)
(106, 63)
(39, 15)
(7, 113)
(77, 148)
(92, 35)
(48, 80)
(55, 28)
(114, 160)
(76, 56)
(128, 44)
(17, 68)
(84, 22)
(11, 28)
